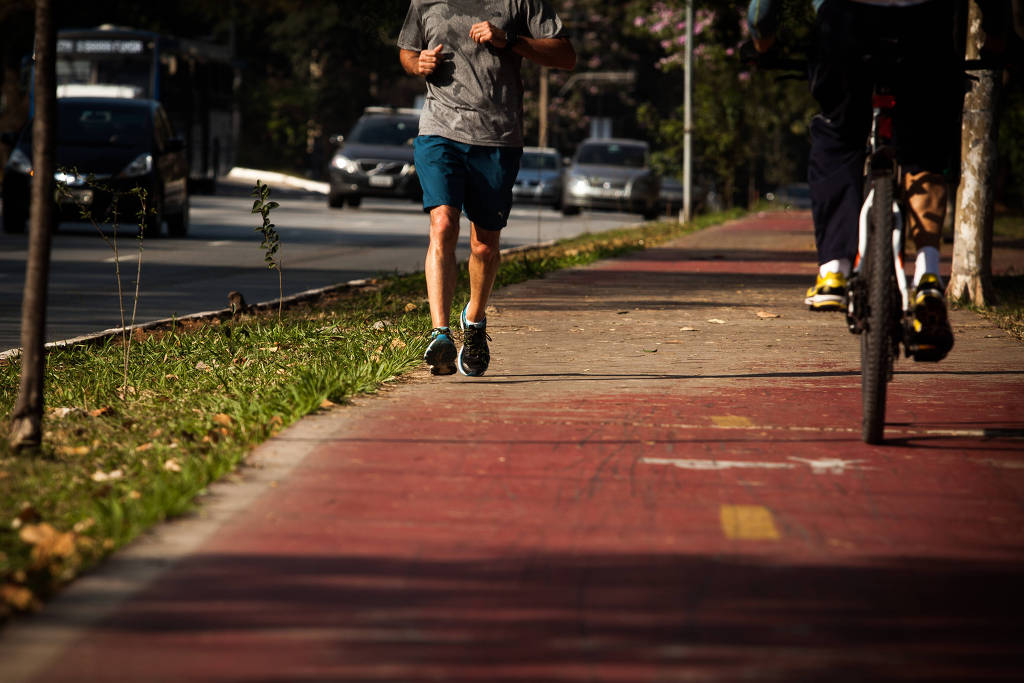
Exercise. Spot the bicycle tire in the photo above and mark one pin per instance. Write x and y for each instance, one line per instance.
(876, 341)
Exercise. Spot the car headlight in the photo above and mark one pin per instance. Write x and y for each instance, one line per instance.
(19, 162)
(408, 169)
(579, 185)
(141, 165)
(340, 161)
(70, 179)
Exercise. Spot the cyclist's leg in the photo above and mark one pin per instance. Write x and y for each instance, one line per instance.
(927, 136)
(929, 98)
(835, 167)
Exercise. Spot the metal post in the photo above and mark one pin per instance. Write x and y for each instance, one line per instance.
(685, 210)
(542, 114)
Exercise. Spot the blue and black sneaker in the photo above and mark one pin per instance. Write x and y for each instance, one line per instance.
(440, 353)
(474, 356)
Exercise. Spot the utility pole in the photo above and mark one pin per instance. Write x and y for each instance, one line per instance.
(685, 210)
(542, 114)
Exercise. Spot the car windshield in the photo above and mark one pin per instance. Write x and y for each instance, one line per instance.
(539, 162)
(382, 130)
(613, 155)
(92, 124)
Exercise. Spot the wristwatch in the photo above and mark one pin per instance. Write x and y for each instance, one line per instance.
(511, 38)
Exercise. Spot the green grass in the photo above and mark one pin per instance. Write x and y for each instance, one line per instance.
(199, 397)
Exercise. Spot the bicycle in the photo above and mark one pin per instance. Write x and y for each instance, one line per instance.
(878, 305)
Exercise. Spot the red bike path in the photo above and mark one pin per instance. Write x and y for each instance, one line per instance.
(660, 478)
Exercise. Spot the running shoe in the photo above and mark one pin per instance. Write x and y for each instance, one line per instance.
(828, 293)
(474, 356)
(440, 353)
(932, 337)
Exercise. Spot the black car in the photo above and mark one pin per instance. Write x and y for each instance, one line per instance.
(106, 147)
(376, 159)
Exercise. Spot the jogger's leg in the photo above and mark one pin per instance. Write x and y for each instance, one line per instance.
(484, 259)
(440, 267)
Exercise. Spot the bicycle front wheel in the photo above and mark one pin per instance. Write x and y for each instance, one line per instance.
(876, 350)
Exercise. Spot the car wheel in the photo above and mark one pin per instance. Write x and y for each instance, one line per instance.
(570, 210)
(154, 220)
(335, 201)
(177, 224)
(354, 200)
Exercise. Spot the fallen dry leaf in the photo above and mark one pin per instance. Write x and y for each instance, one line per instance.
(397, 344)
(688, 329)
(203, 366)
(84, 525)
(766, 314)
(63, 412)
(72, 450)
(105, 410)
(144, 447)
(222, 419)
(172, 465)
(47, 542)
(410, 307)
(716, 321)
(112, 475)
(18, 597)
(326, 403)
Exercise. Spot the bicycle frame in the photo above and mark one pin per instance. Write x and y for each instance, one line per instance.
(881, 158)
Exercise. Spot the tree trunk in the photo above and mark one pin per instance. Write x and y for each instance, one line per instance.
(971, 278)
(27, 418)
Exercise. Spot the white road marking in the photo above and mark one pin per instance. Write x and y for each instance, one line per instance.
(820, 466)
(685, 464)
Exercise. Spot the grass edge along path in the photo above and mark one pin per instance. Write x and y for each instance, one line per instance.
(200, 396)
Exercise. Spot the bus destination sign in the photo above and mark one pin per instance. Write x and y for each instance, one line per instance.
(95, 46)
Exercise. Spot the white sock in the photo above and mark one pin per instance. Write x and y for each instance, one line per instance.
(468, 321)
(927, 262)
(836, 265)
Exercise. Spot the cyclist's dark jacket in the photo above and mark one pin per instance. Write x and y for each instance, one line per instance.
(763, 15)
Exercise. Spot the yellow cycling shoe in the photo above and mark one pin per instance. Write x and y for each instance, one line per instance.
(828, 293)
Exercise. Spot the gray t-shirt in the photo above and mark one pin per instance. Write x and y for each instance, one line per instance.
(476, 93)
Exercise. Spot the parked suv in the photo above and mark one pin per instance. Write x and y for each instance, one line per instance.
(376, 158)
(611, 173)
(121, 144)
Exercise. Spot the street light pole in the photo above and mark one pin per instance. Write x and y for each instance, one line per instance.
(685, 210)
(542, 113)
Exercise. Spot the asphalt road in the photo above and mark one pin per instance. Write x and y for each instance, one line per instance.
(320, 247)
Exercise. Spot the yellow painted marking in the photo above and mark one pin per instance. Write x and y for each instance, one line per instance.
(731, 421)
(748, 523)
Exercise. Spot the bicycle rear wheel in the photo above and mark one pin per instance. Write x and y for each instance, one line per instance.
(876, 350)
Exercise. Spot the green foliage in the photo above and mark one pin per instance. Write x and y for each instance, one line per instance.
(749, 129)
(271, 240)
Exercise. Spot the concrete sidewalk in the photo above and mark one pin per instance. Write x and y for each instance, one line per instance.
(660, 478)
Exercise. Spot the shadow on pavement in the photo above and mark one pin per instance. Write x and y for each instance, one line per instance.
(547, 617)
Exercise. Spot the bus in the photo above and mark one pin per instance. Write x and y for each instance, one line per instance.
(196, 82)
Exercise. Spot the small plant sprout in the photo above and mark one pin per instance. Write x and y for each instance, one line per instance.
(271, 240)
(65, 194)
